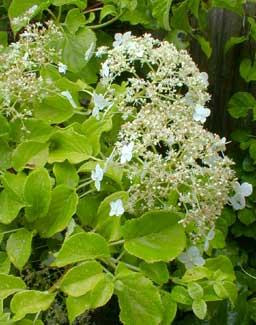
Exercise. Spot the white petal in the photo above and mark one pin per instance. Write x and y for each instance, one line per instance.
(237, 201)
(246, 189)
(117, 208)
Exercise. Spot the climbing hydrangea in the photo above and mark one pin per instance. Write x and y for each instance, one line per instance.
(174, 162)
(21, 82)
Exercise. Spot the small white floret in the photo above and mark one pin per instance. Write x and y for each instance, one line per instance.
(126, 152)
(116, 208)
(201, 113)
(99, 103)
(121, 39)
(241, 191)
(62, 68)
(97, 176)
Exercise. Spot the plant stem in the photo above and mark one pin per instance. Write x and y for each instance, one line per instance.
(109, 22)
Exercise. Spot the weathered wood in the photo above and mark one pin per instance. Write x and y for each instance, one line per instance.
(223, 69)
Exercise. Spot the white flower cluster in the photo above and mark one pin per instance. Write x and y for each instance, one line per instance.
(171, 161)
(21, 62)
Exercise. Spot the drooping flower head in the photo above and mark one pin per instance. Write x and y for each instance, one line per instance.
(162, 145)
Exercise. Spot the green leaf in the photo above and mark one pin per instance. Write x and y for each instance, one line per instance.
(4, 264)
(139, 300)
(20, 12)
(156, 236)
(38, 130)
(169, 307)
(3, 38)
(4, 127)
(161, 11)
(252, 150)
(10, 206)
(248, 70)
(37, 194)
(53, 109)
(94, 129)
(223, 265)
(180, 295)
(113, 170)
(62, 207)
(75, 48)
(80, 247)
(247, 216)
(70, 145)
(233, 5)
(95, 298)
(66, 173)
(18, 247)
(87, 208)
(5, 155)
(109, 226)
(195, 273)
(30, 302)
(180, 18)
(240, 103)
(157, 272)
(82, 278)
(30, 154)
(15, 183)
(195, 291)
(205, 45)
(74, 20)
(82, 4)
(107, 10)
(234, 41)
(199, 308)
(219, 240)
(10, 284)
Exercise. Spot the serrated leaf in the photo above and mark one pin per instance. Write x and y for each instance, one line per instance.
(82, 4)
(155, 236)
(38, 130)
(161, 11)
(248, 70)
(30, 154)
(69, 144)
(196, 273)
(199, 308)
(195, 290)
(180, 295)
(234, 41)
(82, 278)
(75, 48)
(240, 103)
(87, 208)
(37, 194)
(80, 247)
(18, 247)
(205, 45)
(157, 272)
(94, 129)
(10, 284)
(221, 264)
(66, 173)
(4, 264)
(61, 209)
(53, 109)
(169, 308)
(247, 216)
(20, 12)
(74, 20)
(180, 20)
(10, 206)
(95, 298)
(139, 300)
(30, 302)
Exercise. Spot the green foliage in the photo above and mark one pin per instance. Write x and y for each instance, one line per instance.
(51, 211)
